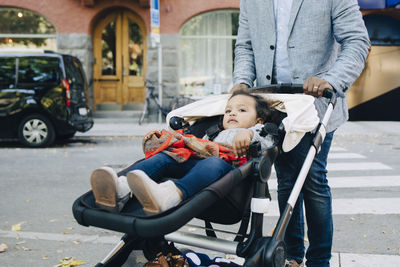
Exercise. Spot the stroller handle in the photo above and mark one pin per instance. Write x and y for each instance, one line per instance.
(292, 88)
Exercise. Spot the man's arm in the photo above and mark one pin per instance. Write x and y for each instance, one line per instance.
(244, 72)
(350, 32)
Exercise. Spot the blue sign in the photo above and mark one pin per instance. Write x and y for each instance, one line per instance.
(377, 4)
(371, 4)
(391, 3)
(155, 18)
(155, 4)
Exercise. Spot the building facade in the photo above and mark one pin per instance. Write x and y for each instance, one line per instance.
(112, 39)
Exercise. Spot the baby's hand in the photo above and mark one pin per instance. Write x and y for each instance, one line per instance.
(241, 142)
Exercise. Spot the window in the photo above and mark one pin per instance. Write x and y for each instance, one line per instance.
(206, 53)
(74, 72)
(108, 49)
(35, 71)
(25, 29)
(7, 70)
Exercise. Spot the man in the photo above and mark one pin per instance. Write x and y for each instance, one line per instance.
(298, 41)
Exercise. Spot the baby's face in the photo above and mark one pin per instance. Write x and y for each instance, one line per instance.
(240, 112)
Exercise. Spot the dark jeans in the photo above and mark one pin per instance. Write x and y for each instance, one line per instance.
(316, 195)
(193, 174)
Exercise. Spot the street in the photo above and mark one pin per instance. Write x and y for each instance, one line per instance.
(39, 186)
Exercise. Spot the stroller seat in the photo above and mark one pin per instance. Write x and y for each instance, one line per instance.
(226, 201)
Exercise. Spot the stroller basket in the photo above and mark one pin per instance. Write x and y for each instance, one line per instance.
(239, 195)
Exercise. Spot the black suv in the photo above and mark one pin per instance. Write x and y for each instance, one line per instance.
(43, 95)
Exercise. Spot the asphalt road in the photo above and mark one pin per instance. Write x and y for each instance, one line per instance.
(38, 187)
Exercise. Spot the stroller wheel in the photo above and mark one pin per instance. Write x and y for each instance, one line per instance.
(275, 254)
(279, 256)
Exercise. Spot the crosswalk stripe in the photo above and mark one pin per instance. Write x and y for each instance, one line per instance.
(337, 149)
(353, 166)
(354, 182)
(348, 206)
(357, 166)
(345, 156)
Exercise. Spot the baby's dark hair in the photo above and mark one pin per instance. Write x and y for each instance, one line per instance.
(262, 108)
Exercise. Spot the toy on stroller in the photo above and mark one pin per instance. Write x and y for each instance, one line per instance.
(238, 196)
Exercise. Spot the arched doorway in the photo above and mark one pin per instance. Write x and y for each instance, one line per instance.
(120, 54)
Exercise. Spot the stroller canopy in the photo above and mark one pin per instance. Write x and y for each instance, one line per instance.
(302, 117)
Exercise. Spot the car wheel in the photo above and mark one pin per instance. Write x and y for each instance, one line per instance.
(36, 131)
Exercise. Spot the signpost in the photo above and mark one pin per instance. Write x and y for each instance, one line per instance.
(155, 41)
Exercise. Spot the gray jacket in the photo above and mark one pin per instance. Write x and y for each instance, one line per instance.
(317, 28)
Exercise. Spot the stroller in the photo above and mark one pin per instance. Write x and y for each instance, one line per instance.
(238, 196)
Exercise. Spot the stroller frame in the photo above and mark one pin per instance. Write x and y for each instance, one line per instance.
(258, 250)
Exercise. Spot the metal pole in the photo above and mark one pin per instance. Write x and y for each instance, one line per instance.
(160, 81)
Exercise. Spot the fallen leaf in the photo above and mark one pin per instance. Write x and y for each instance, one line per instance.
(45, 257)
(65, 233)
(352, 219)
(3, 247)
(20, 242)
(27, 201)
(17, 227)
(70, 228)
(69, 262)
(60, 251)
(26, 249)
(76, 242)
(53, 220)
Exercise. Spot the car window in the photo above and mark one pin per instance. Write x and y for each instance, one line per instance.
(7, 72)
(73, 69)
(38, 71)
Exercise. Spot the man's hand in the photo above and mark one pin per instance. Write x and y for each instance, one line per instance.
(315, 86)
(239, 86)
(241, 142)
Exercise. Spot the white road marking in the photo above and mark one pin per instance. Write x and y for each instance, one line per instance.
(345, 156)
(357, 166)
(61, 237)
(354, 182)
(347, 206)
(337, 149)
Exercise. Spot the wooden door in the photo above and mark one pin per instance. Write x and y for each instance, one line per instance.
(120, 56)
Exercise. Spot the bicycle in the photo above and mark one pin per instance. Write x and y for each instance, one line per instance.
(177, 102)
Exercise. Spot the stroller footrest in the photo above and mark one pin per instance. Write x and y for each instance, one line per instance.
(201, 241)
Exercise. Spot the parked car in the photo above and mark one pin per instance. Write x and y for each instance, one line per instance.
(43, 96)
